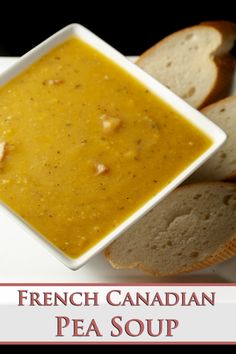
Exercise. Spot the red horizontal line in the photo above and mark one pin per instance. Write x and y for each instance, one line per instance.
(118, 284)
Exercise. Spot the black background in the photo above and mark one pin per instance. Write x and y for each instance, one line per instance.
(130, 26)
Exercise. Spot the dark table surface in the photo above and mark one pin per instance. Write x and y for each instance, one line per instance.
(130, 26)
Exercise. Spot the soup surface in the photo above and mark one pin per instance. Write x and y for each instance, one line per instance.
(83, 145)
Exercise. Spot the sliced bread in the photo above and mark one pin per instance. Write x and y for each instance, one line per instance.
(222, 166)
(195, 62)
(194, 227)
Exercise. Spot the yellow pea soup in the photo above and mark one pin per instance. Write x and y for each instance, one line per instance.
(83, 145)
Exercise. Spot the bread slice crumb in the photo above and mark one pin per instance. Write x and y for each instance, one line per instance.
(222, 165)
(193, 228)
(195, 62)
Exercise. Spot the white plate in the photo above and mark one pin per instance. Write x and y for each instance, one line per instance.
(18, 252)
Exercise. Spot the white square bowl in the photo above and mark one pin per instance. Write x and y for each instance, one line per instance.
(196, 118)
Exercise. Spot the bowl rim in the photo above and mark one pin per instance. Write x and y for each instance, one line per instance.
(216, 134)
